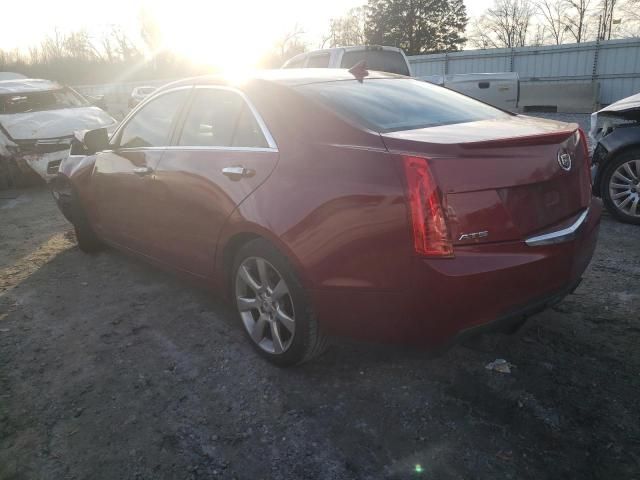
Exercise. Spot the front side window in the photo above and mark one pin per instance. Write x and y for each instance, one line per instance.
(151, 126)
(220, 118)
(318, 61)
(395, 104)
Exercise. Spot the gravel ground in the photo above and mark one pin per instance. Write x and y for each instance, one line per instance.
(111, 369)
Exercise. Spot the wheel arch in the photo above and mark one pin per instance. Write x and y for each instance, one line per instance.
(232, 239)
(611, 157)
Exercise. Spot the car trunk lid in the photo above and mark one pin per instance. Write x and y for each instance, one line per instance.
(502, 180)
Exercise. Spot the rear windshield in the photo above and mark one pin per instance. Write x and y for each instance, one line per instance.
(38, 101)
(381, 60)
(388, 105)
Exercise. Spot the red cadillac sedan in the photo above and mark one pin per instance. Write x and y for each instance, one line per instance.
(328, 203)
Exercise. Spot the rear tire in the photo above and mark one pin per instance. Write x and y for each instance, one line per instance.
(86, 237)
(273, 307)
(622, 178)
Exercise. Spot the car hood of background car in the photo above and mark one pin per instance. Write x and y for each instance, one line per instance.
(627, 108)
(54, 123)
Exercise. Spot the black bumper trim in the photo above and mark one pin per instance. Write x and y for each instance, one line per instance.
(517, 317)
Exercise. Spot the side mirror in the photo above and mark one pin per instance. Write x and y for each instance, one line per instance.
(88, 142)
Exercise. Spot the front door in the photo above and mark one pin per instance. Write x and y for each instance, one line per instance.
(123, 182)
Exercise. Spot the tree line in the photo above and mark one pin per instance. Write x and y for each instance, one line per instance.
(432, 26)
(417, 26)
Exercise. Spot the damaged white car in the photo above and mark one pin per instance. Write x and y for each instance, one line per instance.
(37, 121)
(615, 170)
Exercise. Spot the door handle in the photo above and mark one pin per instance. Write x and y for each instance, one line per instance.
(238, 172)
(142, 170)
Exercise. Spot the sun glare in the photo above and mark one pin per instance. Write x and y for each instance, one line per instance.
(221, 35)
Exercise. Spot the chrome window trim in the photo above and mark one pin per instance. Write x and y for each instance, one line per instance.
(194, 148)
(559, 236)
(272, 146)
(256, 115)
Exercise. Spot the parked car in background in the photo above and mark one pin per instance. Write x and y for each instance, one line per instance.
(382, 59)
(325, 203)
(138, 94)
(11, 76)
(37, 121)
(498, 89)
(97, 100)
(615, 131)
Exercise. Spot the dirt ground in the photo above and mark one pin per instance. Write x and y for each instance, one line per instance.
(110, 369)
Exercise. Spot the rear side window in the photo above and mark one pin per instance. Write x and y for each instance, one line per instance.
(248, 132)
(220, 118)
(382, 60)
(318, 61)
(387, 105)
(151, 125)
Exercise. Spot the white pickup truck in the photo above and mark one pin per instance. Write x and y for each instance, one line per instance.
(498, 89)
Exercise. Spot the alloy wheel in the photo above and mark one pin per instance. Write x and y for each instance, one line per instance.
(624, 188)
(265, 305)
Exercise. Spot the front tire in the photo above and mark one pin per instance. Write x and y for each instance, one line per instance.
(621, 187)
(273, 307)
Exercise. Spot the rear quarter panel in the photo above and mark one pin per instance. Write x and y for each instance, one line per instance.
(334, 205)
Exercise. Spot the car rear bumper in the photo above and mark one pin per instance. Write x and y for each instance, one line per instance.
(487, 283)
(485, 286)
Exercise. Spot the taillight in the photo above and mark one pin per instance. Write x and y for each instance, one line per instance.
(430, 232)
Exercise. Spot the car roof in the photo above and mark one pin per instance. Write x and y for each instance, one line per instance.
(28, 85)
(290, 77)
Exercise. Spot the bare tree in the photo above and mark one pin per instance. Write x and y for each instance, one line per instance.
(479, 37)
(607, 9)
(630, 11)
(578, 19)
(78, 45)
(124, 46)
(348, 29)
(553, 14)
(291, 44)
(52, 46)
(505, 25)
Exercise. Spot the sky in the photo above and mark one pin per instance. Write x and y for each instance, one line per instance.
(194, 27)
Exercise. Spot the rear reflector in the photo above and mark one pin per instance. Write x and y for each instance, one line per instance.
(585, 146)
(430, 233)
(585, 153)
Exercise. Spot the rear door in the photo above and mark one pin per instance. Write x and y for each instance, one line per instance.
(223, 152)
(123, 184)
